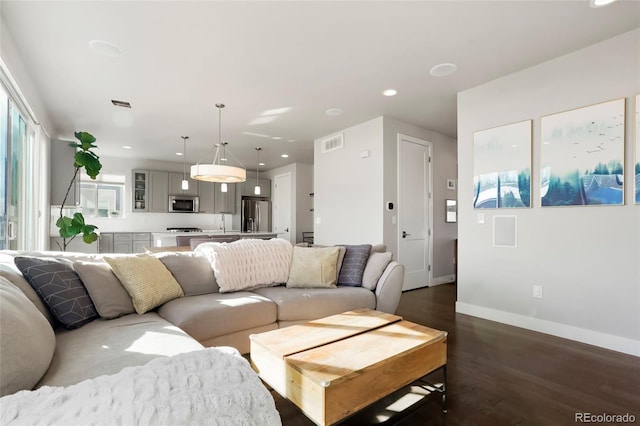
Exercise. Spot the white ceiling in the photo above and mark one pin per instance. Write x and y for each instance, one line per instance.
(301, 58)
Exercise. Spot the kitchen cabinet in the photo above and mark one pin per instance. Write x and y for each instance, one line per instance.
(124, 242)
(77, 245)
(213, 200)
(225, 202)
(175, 185)
(158, 191)
(248, 188)
(140, 191)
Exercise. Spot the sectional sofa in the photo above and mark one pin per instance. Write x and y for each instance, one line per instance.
(127, 310)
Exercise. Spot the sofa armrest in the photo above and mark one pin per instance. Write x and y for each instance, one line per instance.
(389, 288)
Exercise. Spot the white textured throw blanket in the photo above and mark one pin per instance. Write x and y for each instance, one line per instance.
(214, 386)
(248, 264)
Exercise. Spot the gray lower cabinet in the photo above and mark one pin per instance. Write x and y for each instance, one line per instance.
(124, 242)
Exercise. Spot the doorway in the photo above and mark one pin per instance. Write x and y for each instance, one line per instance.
(415, 210)
(282, 207)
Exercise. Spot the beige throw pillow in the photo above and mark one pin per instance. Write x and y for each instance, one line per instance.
(146, 279)
(314, 267)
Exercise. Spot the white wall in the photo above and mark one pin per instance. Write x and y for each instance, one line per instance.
(301, 186)
(348, 198)
(586, 258)
(351, 192)
(443, 167)
(13, 61)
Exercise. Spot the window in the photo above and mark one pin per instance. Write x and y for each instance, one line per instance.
(103, 197)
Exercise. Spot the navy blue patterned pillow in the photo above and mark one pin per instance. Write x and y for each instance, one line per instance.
(60, 288)
(355, 260)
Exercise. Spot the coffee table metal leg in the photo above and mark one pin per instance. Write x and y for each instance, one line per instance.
(444, 389)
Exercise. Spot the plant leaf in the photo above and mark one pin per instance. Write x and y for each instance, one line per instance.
(86, 140)
(89, 237)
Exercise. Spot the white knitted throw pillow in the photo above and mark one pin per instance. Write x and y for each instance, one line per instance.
(247, 264)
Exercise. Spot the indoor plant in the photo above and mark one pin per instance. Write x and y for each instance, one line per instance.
(71, 227)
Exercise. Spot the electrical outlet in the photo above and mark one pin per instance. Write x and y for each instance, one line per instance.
(537, 291)
(480, 217)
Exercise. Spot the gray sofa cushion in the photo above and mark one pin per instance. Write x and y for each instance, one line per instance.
(216, 314)
(295, 304)
(27, 341)
(108, 295)
(107, 346)
(60, 288)
(193, 273)
(11, 272)
(355, 260)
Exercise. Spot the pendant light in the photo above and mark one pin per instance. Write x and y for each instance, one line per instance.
(216, 172)
(223, 185)
(257, 188)
(185, 182)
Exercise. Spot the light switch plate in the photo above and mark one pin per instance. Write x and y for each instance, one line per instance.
(480, 217)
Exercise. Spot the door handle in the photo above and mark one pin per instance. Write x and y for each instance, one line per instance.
(286, 230)
(404, 234)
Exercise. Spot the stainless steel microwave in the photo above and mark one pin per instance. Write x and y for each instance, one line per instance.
(183, 204)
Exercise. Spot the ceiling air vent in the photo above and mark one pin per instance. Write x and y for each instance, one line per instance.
(332, 143)
(122, 104)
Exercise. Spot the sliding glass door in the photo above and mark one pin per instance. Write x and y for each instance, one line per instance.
(17, 171)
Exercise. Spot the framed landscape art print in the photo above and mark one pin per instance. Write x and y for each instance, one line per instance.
(582, 156)
(502, 166)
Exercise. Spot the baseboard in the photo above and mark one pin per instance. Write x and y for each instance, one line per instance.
(591, 337)
(445, 279)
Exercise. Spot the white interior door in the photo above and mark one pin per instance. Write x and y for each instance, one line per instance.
(282, 207)
(414, 210)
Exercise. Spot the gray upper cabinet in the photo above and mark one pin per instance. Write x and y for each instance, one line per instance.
(175, 185)
(248, 188)
(158, 191)
(213, 200)
(62, 171)
(205, 192)
(225, 202)
(140, 191)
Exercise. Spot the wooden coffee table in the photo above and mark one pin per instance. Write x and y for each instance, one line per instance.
(335, 366)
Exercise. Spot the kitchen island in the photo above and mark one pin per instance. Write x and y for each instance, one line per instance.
(168, 239)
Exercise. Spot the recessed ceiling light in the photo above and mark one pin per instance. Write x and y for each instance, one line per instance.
(285, 156)
(223, 159)
(261, 164)
(126, 146)
(105, 48)
(390, 92)
(292, 140)
(600, 3)
(179, 153)
(276, 138)
(333, 111)
(441, 70)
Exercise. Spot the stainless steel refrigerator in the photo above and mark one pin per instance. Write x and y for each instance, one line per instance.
(256, 214)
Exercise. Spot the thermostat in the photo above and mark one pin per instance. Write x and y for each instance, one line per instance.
(389, 205)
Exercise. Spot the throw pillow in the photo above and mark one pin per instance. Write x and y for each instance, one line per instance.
(108, 295)
(60, 288)
(27, 341)
(355, 259)
(193, 273)
(376, 265)
(313, 267)
(248, 263)
(146, 279)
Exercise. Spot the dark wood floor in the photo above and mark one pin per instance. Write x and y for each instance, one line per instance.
(503, 375)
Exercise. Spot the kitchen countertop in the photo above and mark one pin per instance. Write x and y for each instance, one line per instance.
(205, 232)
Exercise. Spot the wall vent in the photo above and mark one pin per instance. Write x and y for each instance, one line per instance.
(332, 143)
